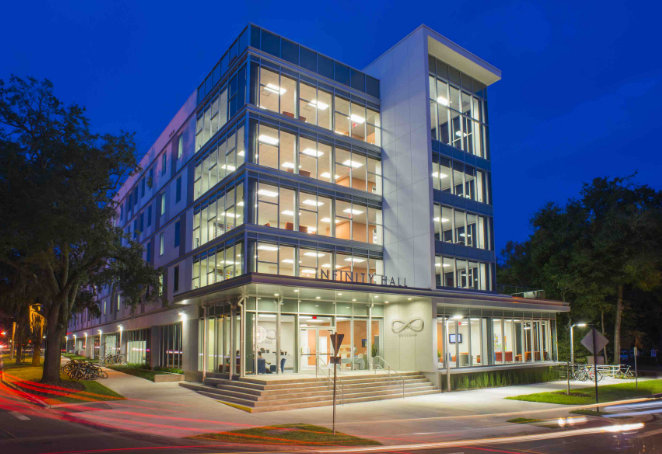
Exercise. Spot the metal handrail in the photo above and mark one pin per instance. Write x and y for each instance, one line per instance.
(395, 373)
(328, 377)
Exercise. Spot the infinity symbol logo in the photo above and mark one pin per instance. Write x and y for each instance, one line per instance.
(415, 324)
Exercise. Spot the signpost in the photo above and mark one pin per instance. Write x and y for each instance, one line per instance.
(594, 342)
(336, 341)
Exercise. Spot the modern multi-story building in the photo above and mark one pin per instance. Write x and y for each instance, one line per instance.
(293, 196)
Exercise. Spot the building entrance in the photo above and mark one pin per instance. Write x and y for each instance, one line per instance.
(315, 350)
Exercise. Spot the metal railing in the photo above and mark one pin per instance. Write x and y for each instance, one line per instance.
(327, 374)
(390, 369)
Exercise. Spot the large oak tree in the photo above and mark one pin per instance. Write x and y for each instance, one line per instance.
(57, 212)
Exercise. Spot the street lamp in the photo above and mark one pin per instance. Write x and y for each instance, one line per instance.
(572, 344)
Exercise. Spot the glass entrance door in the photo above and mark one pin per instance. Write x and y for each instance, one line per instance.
(315, 349)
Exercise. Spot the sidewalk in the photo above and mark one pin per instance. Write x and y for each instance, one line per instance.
(167, 409)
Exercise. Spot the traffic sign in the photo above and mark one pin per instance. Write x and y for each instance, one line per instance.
(336, 341)
(594, 341)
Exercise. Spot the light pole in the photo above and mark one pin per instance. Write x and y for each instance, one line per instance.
(572, 344)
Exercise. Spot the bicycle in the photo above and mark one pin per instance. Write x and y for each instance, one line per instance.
(113, 359)
(627, 373)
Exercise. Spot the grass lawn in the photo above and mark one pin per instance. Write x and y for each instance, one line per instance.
(586, 396)
(288, 434)
(524, 420)
(27, 377)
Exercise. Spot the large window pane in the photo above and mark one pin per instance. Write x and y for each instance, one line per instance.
(288, 97)
(268, 140)
(324, 109)
(343, 220)
(287, 209)
(308, 157)
(270, 90)
(342, 116)
(308, 104)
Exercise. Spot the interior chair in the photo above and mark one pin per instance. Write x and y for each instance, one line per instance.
(282, 365)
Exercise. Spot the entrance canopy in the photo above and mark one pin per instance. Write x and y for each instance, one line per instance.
(284, 287)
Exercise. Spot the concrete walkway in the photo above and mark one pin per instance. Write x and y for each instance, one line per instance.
(170, 410)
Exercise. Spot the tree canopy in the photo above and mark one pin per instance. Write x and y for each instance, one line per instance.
(600, 251)
(57, 210)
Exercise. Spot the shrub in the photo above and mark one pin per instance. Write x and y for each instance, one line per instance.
(509, 377)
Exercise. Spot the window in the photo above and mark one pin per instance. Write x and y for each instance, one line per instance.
(135, 228)
(311, 104)
(316, 158)
(277, 207)
(148, 253)
(219, 214)
(142, 188)
(180, 146)
(177, 232)
(220, 161)
(290, 260)
(161, 244)
(175, 283)
(150, 180)
(463, 273)
(149, 216)
(163, 203)
(142, 222)
(164, 162)
(178, 190)
(457, 110)
(460, 179)
(217, 264)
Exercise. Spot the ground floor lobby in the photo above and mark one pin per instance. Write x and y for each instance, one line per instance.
(273, 326)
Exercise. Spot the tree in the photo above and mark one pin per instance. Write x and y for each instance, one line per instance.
(593, 251)
(57, 183)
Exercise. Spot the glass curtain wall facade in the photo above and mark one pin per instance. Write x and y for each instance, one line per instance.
(283, 336)
(138, 349)
(170, 348)
(481, 337)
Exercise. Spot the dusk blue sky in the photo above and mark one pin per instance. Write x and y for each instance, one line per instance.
(580, 96)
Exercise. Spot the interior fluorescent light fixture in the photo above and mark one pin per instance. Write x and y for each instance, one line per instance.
(241, 153)
(357, 119)
(313, 254)
(351, 211)
(312, 152)
(443, 101)
(267, 193)
(308, 271)
(288, 165)
(355, 260)
(287, 213)
(275, 89)
(229, 167)
(268, 139)
(459, 134)
(232, 215)
(353, 164)
(318, 104)
(328, 175)
(264, 247)
(312, 202)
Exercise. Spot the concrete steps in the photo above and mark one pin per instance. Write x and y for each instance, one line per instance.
(261, 395)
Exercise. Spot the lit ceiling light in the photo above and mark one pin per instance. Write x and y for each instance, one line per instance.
(457, 317)
(443, 101)
(275, 89)
(264, 247)
(313, 254)
(446, 265)
(328, 175)
(240, 204)
(351, 211)
(318, 297)
(312, 152)
(232, 215)
(354, 164)
(357, 119)
(288, 165)
(355, 260)
(228, 167)
(437, 264)
(308, 271)
(459, 134)
(268, 139)
(275, 294)
(353, 299)
(339, 294)
(296, 290)
(267, 193)
(435, 219)
(408, 299)
(318, 104)
(287, 261)
(287, 213)
(444, 220)
(312, 202)
(385, 302)
(326, 265)
(241, 153)
(312, 229)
